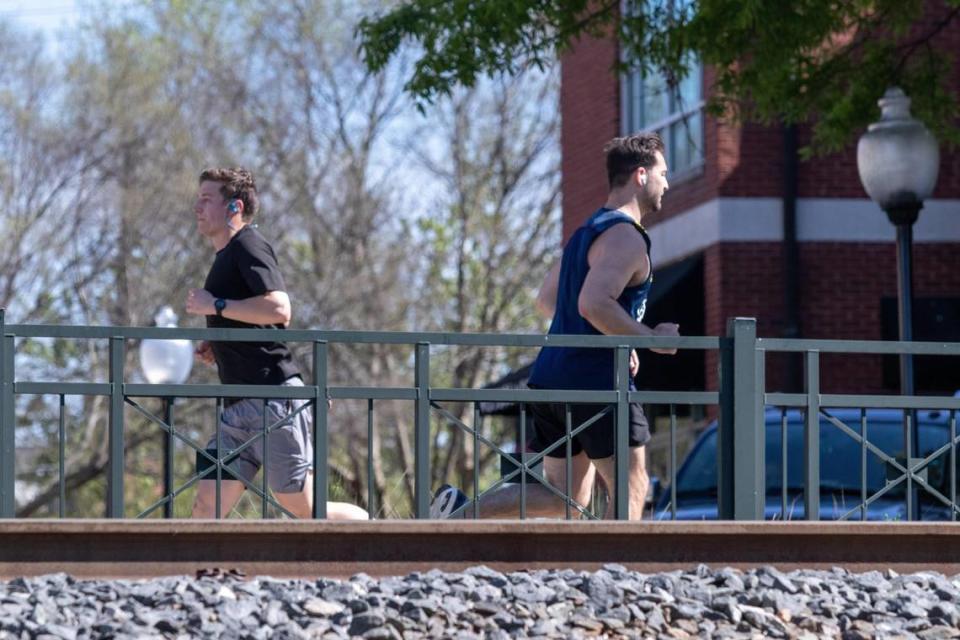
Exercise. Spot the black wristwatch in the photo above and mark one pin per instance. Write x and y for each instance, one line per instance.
(220, 304)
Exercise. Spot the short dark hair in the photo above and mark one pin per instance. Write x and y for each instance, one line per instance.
(236, 183)
(627, 154)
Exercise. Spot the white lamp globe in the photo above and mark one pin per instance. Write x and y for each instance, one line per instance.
(898, 158)
(166, 361)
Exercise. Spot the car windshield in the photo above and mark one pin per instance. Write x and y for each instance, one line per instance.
(839, 458)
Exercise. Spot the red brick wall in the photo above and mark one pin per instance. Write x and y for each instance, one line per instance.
(747, 278)
(831, 176)
(743, 279)
(859, 274)
(590, 104)
(843, 284)
(757, 170)
(841, 288)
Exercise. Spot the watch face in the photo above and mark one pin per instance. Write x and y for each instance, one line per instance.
(219, 304)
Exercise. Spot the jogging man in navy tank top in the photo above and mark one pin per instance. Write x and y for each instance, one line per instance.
(600, 286)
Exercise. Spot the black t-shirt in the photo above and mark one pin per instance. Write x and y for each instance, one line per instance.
(245, 268)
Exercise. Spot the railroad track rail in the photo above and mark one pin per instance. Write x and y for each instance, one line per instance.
(283, 548)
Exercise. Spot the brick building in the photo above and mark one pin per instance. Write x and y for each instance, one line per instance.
(747, 229)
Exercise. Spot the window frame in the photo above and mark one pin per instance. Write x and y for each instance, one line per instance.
(632, 93)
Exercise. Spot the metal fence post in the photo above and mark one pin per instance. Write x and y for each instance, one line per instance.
(621, 452)
(320, 443)
(725, 429)
(115, 462)
(168, 449)
(8, 504)
(811, 438)
(749, 492)
(760, 411)
(421, 435)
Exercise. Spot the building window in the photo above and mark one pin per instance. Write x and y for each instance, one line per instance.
(649, 103)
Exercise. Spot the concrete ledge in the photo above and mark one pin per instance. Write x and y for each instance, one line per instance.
(130, 548)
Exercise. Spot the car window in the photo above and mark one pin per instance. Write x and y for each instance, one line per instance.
(839, 458)
(699, 473)
(840, 454)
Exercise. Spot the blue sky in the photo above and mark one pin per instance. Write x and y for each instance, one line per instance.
(55, 19)
(46, 15)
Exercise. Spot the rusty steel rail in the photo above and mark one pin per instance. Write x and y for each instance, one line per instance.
(112, 548)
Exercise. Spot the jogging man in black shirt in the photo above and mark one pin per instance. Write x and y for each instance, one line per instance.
(244, 288)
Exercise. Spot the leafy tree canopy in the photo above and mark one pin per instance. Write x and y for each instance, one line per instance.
(820, 61)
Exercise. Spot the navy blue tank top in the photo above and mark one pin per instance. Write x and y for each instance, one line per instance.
(581, 368)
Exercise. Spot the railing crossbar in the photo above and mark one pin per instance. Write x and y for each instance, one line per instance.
(700, 343)
(891, 347)
(249, 485)
(232, 454)
(176, 434)
(534, 459)
(570, 502)
(799, 400)
(521, 466)
(883, 456)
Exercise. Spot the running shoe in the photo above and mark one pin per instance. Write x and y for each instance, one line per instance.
(445, 501)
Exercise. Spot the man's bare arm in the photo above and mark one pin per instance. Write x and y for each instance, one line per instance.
(271, 308)
(547, 297)
(617, 257)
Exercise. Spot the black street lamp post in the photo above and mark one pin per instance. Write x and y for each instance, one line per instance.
(898, 161)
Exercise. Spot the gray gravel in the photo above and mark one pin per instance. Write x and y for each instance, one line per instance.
(483, 603)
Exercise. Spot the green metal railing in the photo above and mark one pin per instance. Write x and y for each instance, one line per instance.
(424, 397)
(816, 406)
(741, 398)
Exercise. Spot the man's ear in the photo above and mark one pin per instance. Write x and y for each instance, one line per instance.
(642, 176)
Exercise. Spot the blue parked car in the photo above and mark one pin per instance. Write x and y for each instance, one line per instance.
(840, 473)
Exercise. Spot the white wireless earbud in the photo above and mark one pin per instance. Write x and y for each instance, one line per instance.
(643, 180)
(232, 209)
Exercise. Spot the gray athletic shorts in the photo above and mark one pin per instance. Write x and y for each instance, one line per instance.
(290, 454)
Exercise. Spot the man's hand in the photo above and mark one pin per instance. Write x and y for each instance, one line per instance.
(204, 353)
(669, 330)
(200, 303)
(634, 363)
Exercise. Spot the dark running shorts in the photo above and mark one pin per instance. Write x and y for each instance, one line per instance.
(598, 440)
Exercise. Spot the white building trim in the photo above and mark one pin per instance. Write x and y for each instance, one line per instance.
(818, 220)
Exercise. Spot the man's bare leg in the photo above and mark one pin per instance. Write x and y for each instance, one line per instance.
(300, 504)
(638, 481)
(205, 504)
(541, 502)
